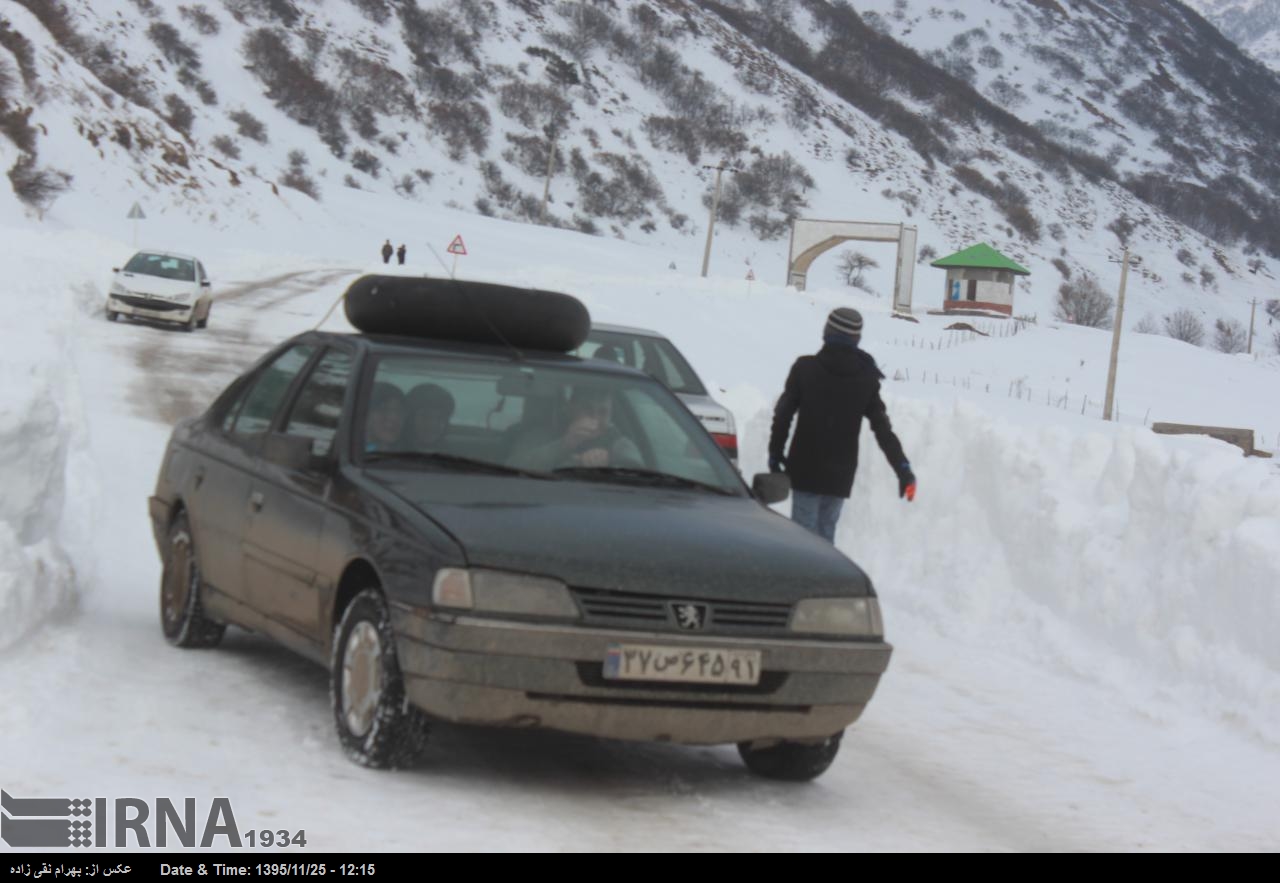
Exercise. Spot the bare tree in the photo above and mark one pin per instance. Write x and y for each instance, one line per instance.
(1083, 302)
(1229, 336)
(852, 264)
(1184, 325)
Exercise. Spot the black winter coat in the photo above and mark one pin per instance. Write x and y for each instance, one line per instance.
(831, 392)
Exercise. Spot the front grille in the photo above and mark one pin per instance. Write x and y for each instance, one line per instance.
(146, 303)
(656, 613)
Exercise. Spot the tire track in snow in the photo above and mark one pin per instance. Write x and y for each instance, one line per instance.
(179, 374)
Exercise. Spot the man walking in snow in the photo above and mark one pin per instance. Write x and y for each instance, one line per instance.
(387, 251)
(828, 394)
(400, 253)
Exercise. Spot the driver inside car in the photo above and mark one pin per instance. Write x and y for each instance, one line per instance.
(587, 439)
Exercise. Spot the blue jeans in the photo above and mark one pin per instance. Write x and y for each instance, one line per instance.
(817, 512)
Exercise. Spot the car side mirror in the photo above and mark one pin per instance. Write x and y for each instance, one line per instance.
(115, 269)
(206, 284)
(771, 487)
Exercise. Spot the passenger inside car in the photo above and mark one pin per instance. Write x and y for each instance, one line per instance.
(386, 418)
(430, 408)
(587, 438)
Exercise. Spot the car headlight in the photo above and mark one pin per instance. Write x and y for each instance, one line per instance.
(839, 616)
(184, 297)
(496, 591)
(117, 288)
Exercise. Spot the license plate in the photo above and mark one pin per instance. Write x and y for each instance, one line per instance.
(686, 665)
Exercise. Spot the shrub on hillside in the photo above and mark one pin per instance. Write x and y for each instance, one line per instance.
(926, 253)
(201, 19)
(629, 192)
(294, 86)
(852, 265)
(463, 126)
(676, 134)
(23, 53)
(297, 177)
(1184, 325)
(377, 11)
(249, 126)
(1275, 340)
(366, 162)
(586, 29)
(534, 105)
(15, 123)
(1229, 336)
(201, 86)
(172, 46)
(35, 186)
(528, 153)
(225, 145)
(1273, 308)
(1147, 325)
(178, 114)
(1083, 302)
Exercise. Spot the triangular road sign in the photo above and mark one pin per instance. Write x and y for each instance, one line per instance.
(135, 213)
(456, 247)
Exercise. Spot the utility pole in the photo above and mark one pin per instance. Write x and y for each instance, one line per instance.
(551, 166)
(715, 205)
(1115, 339)
(1253, 308)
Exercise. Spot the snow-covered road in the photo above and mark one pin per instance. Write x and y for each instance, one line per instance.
(967, 746)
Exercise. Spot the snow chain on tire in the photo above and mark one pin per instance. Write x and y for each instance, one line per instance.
(193, 627)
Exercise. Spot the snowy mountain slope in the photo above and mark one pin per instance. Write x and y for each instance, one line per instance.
(446, 105)
(1253, 24)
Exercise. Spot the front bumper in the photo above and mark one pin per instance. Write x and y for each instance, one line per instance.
(142, 308)
(502, 673)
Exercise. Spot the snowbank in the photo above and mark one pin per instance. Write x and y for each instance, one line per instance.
(1058, 544)
(41, 439)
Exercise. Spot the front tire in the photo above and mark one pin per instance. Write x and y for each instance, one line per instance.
(181, 615)
(376, 724)
(791, 761)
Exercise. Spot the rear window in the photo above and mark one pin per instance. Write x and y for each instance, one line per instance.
(163, 266)
(656, 356)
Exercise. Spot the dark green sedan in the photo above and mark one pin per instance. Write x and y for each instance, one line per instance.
(517, 538)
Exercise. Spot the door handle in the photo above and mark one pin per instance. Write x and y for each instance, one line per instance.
(256, 500)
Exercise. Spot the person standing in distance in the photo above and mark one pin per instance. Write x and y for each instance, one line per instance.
(827, 395)
(400, 253)
(387, 251)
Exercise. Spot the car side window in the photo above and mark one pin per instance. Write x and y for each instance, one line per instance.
(318, 410)
(263, 401)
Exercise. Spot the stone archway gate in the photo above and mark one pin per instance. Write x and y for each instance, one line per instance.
(811, 238)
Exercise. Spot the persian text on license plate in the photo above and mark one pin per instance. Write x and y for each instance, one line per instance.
(691, 665)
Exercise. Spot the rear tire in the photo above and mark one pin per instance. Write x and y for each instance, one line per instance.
(112, 315)
(791, 761)
(376, 724)
(181, 615)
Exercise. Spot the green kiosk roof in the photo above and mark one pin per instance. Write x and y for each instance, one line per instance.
(983, 256)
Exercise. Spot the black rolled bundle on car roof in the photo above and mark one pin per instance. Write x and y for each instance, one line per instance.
(467, 311)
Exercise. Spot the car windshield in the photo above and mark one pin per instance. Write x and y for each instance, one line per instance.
(549, 421)
(656, 356)
(164, 266)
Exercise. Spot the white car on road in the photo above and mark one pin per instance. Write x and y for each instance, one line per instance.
(161, 286)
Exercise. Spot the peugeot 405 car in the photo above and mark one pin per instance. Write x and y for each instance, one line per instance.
(162, 287)
(486, 534)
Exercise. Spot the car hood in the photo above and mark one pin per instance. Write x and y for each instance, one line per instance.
(155, 285)
(637, 539)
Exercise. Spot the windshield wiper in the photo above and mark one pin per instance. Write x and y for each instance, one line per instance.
(469, 463)
(641, 476)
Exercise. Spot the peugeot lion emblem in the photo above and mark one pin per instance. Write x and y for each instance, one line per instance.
(690, 617)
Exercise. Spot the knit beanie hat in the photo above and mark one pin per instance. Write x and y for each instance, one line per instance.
(844, 321)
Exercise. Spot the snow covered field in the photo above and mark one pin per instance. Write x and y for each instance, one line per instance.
(1083, 612)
